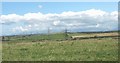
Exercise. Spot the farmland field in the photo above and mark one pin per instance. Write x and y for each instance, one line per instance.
(56, 48)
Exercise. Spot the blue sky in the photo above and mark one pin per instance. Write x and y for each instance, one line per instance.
(60, 1)
(33, 17)
(55, 7)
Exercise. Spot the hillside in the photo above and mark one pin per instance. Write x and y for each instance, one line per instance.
(55, 47)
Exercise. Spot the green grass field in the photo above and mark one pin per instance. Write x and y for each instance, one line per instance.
(98, 49)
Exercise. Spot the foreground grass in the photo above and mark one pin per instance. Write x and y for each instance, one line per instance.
(104, 49)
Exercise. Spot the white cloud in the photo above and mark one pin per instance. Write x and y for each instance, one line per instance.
(10, 18)
(56, 23)
(40, 6)
(92, 19)
(20, 28)
(97, 25)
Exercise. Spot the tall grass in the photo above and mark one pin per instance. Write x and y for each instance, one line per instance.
(104, 49)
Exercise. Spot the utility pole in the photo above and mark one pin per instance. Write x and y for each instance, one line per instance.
(48, 33)
(66, 34)
(3, 38)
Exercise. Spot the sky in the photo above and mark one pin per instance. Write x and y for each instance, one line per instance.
(37, 17)
(60, 0)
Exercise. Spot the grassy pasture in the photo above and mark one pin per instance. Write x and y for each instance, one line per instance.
(25, 49)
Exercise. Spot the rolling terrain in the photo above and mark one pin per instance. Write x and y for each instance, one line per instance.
(59, 47)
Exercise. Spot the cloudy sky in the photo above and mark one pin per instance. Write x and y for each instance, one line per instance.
(37, 17)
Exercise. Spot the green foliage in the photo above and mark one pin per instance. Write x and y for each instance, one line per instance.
(102, 49)
(34, 38)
